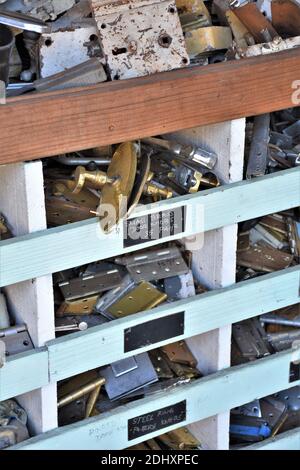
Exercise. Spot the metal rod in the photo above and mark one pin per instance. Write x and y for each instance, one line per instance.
(275, 320)
(92, 401)
(84, 390)
(82, 161)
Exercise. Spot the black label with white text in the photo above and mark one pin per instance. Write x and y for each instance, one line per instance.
(155, 226)
(156, 420)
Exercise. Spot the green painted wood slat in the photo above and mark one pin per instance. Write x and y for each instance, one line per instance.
(53, 250)
(206, 397)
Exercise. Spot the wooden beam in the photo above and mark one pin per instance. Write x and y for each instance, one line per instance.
(42, 125)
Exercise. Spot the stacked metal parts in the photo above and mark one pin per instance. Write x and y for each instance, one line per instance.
(13, 340)
(86, 184)
(267, 245)
(104, 291)
(153, 36)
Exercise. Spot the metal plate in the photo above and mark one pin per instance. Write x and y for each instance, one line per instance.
(17, 343)
(155, 264)
(25, 22)
(155, 226)
(180, 287)
(291, 397)
(264, 259)
(154, 331)
(180, 353)
(274, 412)
(144, 374)
(140, 38)
(158, 419)
(78, 307)
(208, 39)
(160, 364)
(57, 51)
(124, 366)
(87, 286)
(259, 151)
(250, 409)
(249, 339)
(140, 298)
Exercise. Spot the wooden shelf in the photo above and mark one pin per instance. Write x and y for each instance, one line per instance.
(42, 125)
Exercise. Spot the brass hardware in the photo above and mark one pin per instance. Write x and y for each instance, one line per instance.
(83, 390)
(93, 399)
(208, 39)
(179, 439)
(122, 172)
(90, 179)
(5, 232)
(153, 444)
(84, 306)
(142, 297)
(140, 181)
(180, 353)
(160, 364)
(116, 185)
(62, 212)
(198, 179)
(210, 180)
(241, 34)
(154, 190)
(193, 12)
(66, 188)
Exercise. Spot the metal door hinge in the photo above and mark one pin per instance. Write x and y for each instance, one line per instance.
(154, 265)
(16, 340)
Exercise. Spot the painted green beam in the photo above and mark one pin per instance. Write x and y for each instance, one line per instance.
(69, 246)
(103, 345)
(24, 373)
(289, 440)
(78, 352)
(205, 397)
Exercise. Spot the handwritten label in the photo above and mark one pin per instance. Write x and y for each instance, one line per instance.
(160, 419)
(155, 226)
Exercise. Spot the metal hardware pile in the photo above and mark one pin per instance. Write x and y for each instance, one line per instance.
(179, 439)
(13, 424)
(51, 44)
(115, 288)
(85, 184)
(268, 244)
(254, 339)
(131, 379)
